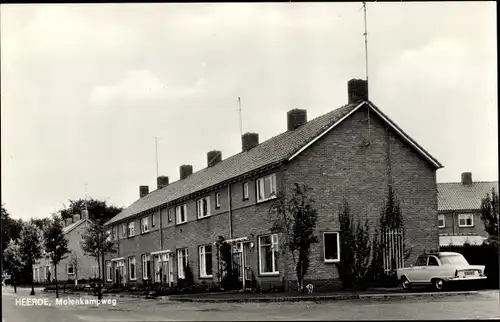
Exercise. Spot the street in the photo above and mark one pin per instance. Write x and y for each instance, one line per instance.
(484, 305)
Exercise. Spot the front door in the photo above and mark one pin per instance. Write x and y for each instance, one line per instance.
(419, 270)
(247, 271)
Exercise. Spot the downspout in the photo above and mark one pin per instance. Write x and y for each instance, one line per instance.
(229, 212)
(161, 229)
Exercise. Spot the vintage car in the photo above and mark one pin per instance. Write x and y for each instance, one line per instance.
(438, 270)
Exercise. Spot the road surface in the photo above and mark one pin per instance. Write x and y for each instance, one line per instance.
(485, 305)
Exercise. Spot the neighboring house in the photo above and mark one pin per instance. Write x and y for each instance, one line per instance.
(459, 210)
(77, 265)
(353, 152)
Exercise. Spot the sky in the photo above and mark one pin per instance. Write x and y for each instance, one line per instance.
(86, 88)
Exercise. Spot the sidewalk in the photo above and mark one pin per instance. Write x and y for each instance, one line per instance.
(373, 294)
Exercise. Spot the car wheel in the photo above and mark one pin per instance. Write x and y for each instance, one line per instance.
(438, 284)
(405, 283)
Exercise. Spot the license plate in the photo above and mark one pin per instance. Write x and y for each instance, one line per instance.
(469, 273)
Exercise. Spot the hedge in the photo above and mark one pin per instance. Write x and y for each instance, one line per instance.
(486, 255)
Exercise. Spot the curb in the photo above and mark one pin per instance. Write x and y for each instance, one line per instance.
(325, 298)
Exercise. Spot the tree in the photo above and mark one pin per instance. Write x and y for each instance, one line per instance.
(490, 216)
(16, 265)
(56, 244)
(31, 247)
(11, 229)
(98, 210)
(391, 219)
(356, 248)
(295, 219)
(97, 242)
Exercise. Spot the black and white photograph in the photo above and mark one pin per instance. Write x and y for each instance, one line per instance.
(249, 161)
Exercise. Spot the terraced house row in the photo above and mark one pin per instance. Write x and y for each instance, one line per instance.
(354, 152)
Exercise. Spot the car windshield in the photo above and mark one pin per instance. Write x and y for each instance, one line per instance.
(453, 260)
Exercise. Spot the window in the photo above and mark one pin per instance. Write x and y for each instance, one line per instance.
(432, 261)
(144, 225)
(205, 261)
(245, 191)
(94, 271)
(268, 254)
(108, 234)
(124, 230)
(169, 215)
(465, 220)
(70, 269)
(421, 261)
(180, 212)
(266, 188)
(131, 229)
(182, 262)
(203, 207)
(153, 220)
(331, 247)
(146, 267)
(132, 268)
(108, 271)
(217, 200)
(441, 222)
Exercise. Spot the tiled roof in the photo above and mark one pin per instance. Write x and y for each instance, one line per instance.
(267, 153)
(457, 196)
(69, 228)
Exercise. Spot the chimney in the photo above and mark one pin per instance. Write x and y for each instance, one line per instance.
(185, 171)
(296, 118)
(249, 141)
(85, 214)
(467, 178)
(143, 191)
(161, 182)
(76, 218)
(69, 221)
(213, 157)
(357, 90)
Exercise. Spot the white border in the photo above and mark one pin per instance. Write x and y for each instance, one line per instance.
(391, 124)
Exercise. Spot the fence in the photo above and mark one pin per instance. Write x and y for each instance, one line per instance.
(393, 250)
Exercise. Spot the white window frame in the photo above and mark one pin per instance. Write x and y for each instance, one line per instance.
(153, 220)
(109, 270)
(199, 207)
(465, 217)
(145, 271)
(124, 230)
(145, 225)
(274, 247)
(338, 247)
(202, 254)
(131, 229)
(260, 185)
(181, 253)
(131, 260)
(245, 190)
(68, 265)
(217, 199)
(178, 220)
(443, 218)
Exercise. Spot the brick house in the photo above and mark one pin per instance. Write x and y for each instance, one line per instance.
(78, 265)
(459, 210)
(353, 152)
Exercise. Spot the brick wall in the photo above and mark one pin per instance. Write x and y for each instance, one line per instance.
(339, 166)
(452, 227)
(336, 166)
